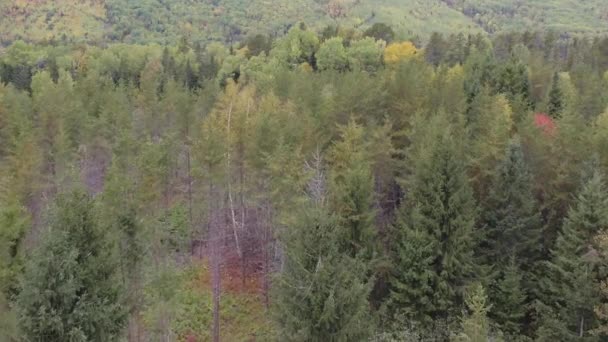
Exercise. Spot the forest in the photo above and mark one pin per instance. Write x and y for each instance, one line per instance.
(202, 21)
(335, 184)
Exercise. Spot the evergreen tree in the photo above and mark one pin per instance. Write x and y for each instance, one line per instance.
(435, 50)
(476, 325)
(511, 79)
(321, 294)
(69, 290)
(380, 31)
(573, 282)
(490, 124)
(509, 310)
(440, 204)
(352, 191)
(14, 224)
(510, 217)
(412, 283)
(556, 95)
(601, 309)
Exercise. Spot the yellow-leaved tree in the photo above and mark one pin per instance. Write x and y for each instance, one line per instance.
(397, 52)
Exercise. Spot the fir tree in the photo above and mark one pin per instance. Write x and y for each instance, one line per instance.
(69, 290)
(321, 295)
(441, 207)
(476, 325)
(573, 282)
(511, 217)
(435, 50)
(556, 95)
(509, 310)
(512, 80)
(412, 283)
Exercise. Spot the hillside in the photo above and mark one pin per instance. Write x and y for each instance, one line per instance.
(160, 21)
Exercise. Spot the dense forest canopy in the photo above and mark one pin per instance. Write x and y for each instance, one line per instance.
(164, 21)
(318, 171)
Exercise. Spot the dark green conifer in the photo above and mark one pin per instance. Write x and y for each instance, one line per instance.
(69, 290)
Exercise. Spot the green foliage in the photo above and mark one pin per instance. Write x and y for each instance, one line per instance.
(412, 284)
(476, 326)
(297, 47)
(574, 283)
(509, 310)
(14, 223)
(321, 295)
(392, 142)
(441, 215)
(155, 21)
(9, 330)
(69, 290)
(332, 55)
(510, 217)
(366, 54)
(380, 31)
(351, 189)
(180, 299)
(512, 80)
(555, 98)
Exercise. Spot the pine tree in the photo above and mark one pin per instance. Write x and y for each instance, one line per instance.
(69, 291)
(321, 294)
(556, 95)
(573, 282)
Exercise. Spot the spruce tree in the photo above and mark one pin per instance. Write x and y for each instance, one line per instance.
(435, 49)
(475, 324)
(412, 284)
(512, 79)
(511, 221)
(556, 95)
(573, 282)
(321, 294)
(69, 290)
(440, 205)
(509, 309)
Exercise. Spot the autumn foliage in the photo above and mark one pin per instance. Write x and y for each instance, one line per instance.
(545, 123)
(397, 52)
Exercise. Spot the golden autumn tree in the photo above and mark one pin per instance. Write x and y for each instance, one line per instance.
(396, 52)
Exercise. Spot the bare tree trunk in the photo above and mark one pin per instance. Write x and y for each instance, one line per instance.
(190, 215)
(266, 244)
(214, 246)
(235, 225)
(215, 274)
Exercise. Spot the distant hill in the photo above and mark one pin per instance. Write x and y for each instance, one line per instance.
(163, 21)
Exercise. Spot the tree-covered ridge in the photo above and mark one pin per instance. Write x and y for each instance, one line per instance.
(513, 15)
(162, 21)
